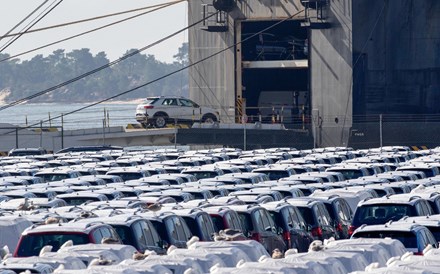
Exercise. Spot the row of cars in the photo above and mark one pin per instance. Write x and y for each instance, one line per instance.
(281, 198)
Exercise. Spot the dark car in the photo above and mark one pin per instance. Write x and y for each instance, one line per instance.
(382, 210)
(292, 225)
(340, 212)
(136, 231)
(414, 237)
(33, 239)
(199, 222)
(316, 215)
(27, 151)
(224, 218)
(258, 225)
(172, 229)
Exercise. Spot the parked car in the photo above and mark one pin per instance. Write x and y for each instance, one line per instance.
(340, 212)
(34, 238)
(136, 231)
(316, 215)
(27, 151)
(258, 225)
(291, 224)
(414, 237)
(158, 111)
(198, 221)
(382, 210)
(173, 229)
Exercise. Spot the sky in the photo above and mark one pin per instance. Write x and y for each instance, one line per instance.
(114, 40)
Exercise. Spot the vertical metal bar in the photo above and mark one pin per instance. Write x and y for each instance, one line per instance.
(103, 132)
(62, 136)
(380, 130)
(41, 133)
(175, 133)
(50, 121)
(62, 130)
(16, 137)
(244, 137)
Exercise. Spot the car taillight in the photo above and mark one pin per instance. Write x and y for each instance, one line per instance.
(317, 232)
(256, 237)
(286, 237)
(339, 227)
(351, 230)
(148, 107)
(418, 253)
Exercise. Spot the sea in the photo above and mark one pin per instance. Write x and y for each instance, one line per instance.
(70, 116)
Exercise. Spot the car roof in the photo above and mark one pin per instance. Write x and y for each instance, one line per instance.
(76, 227)
(391, 226)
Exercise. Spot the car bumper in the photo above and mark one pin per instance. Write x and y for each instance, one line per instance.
(141, 118)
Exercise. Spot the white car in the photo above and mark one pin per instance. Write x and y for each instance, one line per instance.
(158, 111)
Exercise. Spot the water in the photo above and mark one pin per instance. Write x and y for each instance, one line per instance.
(32, 114)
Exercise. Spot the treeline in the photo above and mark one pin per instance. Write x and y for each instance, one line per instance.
(21, 79)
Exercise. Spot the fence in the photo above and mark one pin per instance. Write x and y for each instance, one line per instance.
(359, 131)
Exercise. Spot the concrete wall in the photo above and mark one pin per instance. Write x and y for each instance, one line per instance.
(212, 82)
(331, 81)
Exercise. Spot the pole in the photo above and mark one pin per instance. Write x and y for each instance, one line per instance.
(41, 133)
(62, 137)
(50, 121)
(16, 137)
(175, 132)
(103, 132)
(243, 119)
(380, 130)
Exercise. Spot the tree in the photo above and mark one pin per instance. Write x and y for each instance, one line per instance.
(182, 56)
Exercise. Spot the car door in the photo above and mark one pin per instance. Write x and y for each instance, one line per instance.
(292, 225)
(269, 234)
(189, 110)
(171, 107)
(324, 221)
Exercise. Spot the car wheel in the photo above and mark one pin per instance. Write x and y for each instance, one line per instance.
(160, 121)
(209, 118)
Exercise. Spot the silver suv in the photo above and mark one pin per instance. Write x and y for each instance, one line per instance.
(158, 111)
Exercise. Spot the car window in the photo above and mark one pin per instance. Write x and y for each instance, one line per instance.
(291, 218)
(407, 238)
(325, 217)
(307, 214)
(32, 244)
(268, 223)
(206, 227)
(246, 222)
(258, 222)
(171, 228)
(234, 221)
(187, 103)
(97, 236)
(139, 235)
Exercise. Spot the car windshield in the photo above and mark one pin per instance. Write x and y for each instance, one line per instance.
(307, 215)
(407, 238)
(381, 213)
(125, 234)
(78, 200)
(32, 244)
(275, 175)
(50, 177)
(127, 176)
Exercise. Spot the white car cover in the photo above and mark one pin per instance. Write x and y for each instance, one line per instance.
(329, 263)
(253, 249)
(11, 228)
(205, 260)
(394, 247)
